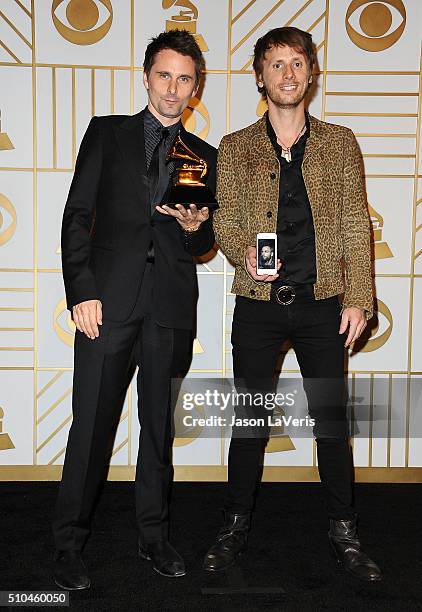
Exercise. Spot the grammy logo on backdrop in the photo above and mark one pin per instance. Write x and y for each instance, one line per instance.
(5, 142)
(373, 337)
(196, 106)
(278, 441)
(185, 20)
(5, 441)
(262, 107)
(381, 250)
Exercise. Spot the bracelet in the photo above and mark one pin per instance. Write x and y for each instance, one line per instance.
(191, 230)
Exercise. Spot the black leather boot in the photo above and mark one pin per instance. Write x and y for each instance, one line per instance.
(69, 571)
(231, 542)
(165, 559)
(345, 545)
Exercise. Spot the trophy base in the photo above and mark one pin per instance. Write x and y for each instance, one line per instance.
(190, 194)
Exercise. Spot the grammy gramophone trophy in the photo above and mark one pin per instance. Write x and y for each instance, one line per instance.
(187, 187)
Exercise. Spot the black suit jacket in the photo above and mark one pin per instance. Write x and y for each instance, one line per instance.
(107, 227)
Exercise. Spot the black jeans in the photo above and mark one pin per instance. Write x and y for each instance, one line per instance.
(312, 326)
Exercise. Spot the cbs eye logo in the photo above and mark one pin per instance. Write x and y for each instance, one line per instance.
(189, 121)
(7, 229)
(82, 22)
(382, 23)
(184, 434)
(63, 324)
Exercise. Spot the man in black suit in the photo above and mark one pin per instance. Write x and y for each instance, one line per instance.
(131, 286)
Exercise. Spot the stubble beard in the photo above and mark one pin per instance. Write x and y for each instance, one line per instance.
(171, 113)
(275, 99)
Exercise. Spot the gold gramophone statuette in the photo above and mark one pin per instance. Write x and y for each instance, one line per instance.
(192, 170)
(188, 185)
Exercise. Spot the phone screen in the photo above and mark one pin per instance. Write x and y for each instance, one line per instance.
(266, 257)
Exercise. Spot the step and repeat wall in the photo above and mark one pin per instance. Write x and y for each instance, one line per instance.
(63, 61)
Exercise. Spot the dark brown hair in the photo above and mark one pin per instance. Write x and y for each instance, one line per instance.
(279, 37)
(180, 41)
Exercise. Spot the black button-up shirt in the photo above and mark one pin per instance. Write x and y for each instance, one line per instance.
(295, 228)
(152, 135)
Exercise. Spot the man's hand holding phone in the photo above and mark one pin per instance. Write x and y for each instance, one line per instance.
(250, 261)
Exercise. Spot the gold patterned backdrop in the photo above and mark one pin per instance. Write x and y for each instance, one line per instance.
(63, 61)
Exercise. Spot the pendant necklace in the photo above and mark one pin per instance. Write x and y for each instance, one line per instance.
(285, 151)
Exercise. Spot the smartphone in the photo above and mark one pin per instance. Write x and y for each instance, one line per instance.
(266, 253)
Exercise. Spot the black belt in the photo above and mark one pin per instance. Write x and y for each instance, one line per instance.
(150, 259)
(285, 294)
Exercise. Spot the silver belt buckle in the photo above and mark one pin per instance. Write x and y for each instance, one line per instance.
(285, 295)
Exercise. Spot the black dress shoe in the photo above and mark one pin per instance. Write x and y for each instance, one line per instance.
(69, 571)
(347, 550)
(165, 559)
(231, 542)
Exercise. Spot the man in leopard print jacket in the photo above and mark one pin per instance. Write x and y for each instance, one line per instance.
(300, 178)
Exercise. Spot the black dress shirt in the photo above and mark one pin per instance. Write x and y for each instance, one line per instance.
(295, 228)
(152, 134)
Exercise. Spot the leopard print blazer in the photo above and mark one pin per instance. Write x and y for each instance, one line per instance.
(248, 175)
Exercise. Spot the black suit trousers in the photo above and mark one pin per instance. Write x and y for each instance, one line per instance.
(258, 332)
(103, 369)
